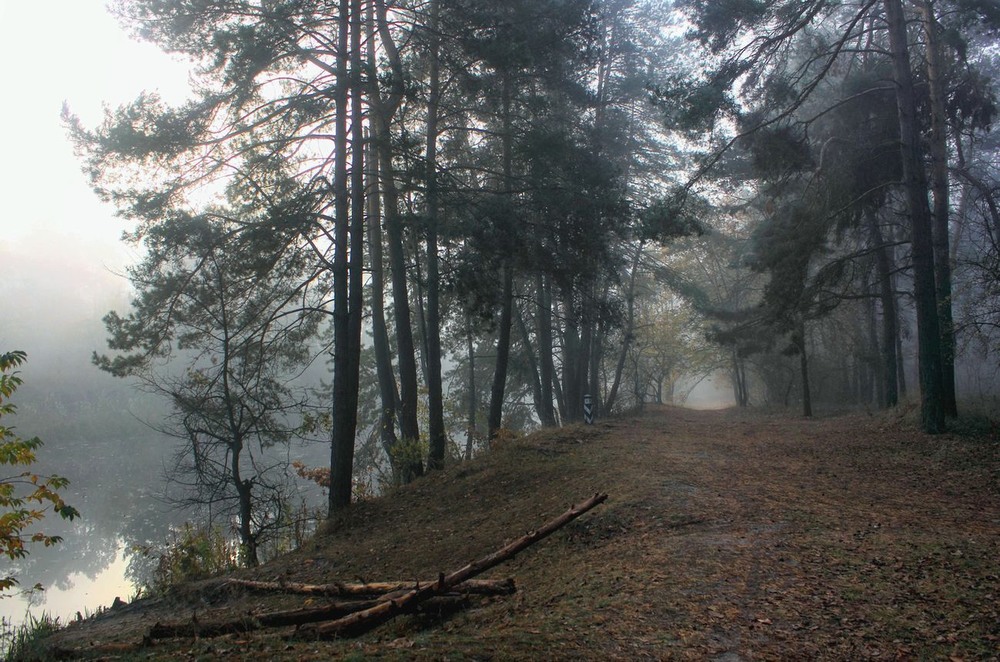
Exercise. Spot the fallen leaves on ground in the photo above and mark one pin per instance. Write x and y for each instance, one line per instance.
(729, 535)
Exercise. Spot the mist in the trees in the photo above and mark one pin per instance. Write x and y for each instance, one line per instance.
(377, 237)
(103, 433)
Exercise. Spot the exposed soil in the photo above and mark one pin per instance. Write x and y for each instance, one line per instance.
(727, 536)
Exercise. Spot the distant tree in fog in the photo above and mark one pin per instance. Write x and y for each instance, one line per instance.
(218, 332)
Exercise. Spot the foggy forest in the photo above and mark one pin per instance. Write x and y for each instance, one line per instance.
(384, 237)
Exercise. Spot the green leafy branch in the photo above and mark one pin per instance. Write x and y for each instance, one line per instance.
(25, 497)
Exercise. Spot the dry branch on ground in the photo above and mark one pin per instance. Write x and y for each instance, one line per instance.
(372, 589)
(362, 621)
(385, 599)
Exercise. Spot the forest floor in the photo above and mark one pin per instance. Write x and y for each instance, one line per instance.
(727, 536)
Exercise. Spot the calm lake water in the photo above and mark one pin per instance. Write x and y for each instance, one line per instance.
(77, 592)
(117, 467)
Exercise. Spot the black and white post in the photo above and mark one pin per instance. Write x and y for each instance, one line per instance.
(588, 409)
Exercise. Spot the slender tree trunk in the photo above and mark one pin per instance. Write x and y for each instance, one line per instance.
(435, 397)
(405, 349)
(596, 358)
(529, 353)
(356, 282)
(571, 382)
(507, 270)
(637, 385)
(962, 215)
(545, 350)
(941, 190)
(388, 392)
(248, 541)
(417, 301)
(583, 357)
(804, 370)
(928, 329)
(876, 367)
(233, 412)
(470, 433)
(887, 298)
(503, 351)
(741, 371)
(342, 444)
(900, 359)
(629, 331)
(557, 390)
(739, 378)
(244, 495)
(598, 369)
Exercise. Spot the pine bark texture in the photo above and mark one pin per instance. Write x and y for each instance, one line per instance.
(435, 396)
(342, 440)
(915, 184)
(940, 187)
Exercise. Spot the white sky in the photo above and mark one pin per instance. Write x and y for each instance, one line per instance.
(72, 51)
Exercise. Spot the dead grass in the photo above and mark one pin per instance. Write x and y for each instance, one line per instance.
(726, 536)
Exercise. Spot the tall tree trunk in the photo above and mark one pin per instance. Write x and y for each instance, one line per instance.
(503, 351)
(435, 397)
(900, 359)
(342, 442)
(571, 381)
(388, 392)
(876, 368)
(244, 494)
(887, 298)
(233, 413)
(915, 182)
(800, 332)
(596, 362)
(629, 331)
(941, 190)
(529, 353)
(583, 357)
(962, 215)
(739, 379)
(405, 349)
(507, 270)
(417, 300)
(543, 298)
(470, 431)
(356, 277)
(638, 388)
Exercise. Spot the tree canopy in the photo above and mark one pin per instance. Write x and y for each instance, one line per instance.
(557, 199)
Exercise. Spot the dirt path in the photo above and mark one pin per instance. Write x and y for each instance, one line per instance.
(845, 538)
(727, 537)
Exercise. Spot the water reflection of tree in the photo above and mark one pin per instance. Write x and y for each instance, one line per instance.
(98, 433)
(96, 437)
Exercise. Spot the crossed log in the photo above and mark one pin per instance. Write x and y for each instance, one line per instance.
(348, 618)
(362, 621)
(370, 589)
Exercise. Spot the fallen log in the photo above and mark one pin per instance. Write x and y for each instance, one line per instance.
(380, 590)
(362, 621)
(276, 619)
(194, 628)
(373, 589)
